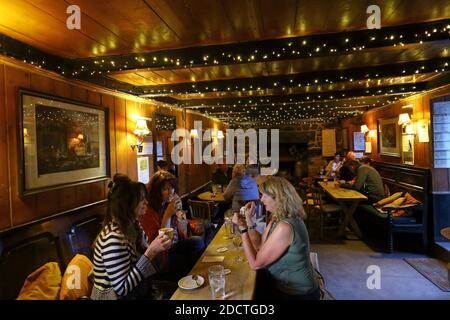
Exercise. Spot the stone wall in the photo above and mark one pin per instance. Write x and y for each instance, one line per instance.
(311, 133)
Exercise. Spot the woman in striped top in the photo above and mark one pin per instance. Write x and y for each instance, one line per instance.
(122, 259)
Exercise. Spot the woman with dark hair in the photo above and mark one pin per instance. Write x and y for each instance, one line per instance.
(165, 211)
(122, 259)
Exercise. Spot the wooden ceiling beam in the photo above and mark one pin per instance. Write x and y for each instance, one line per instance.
(302, 79)
(270, 50)
(313, 97)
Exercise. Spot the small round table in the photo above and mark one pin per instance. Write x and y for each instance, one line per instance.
(208, 196)
(446, 233)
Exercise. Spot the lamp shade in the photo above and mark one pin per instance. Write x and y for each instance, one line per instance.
(404, 119)
(141, 128)
(364, 128)
(194, 133)
(220, 134)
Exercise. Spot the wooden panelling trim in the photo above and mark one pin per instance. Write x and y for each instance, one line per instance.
(88, 86)
(8, 194)
(51, 217)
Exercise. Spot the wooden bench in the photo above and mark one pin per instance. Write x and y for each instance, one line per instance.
(58, 239)
(404, 179)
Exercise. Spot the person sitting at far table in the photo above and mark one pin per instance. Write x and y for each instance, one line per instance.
(282, 251)
(333, 166)
(368, 181)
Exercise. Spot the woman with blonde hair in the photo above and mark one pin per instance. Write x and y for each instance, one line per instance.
(282, 251)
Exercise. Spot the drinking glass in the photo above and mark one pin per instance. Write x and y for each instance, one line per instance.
(229, 228)
(237, 242)
(216, 276)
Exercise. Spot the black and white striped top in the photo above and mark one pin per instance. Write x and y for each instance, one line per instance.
(117, 267)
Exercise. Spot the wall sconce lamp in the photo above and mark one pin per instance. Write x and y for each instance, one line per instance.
(404, 119)
(407, 125)
(194, 133)
(141, 132)
(364, 129)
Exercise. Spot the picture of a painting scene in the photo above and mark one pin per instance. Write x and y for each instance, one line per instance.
(389, 136)
(66, 140)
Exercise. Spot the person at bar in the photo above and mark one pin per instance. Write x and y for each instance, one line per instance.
(164, 211)
(122, 259)
(368, 181)
(333, 166)
(281, 254)
(241, 189)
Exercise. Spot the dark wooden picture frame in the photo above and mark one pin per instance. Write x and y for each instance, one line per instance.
(389, 137)
(61, 142)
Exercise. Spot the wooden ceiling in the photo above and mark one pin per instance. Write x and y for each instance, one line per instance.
(199, 53)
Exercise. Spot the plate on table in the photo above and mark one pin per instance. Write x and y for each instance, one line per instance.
(189, 283)
(222, 249)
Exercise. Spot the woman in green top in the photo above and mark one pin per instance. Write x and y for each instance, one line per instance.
(283, 248)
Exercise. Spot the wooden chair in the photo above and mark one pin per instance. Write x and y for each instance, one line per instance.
(328, 212)
(201, 210)
(303, 191)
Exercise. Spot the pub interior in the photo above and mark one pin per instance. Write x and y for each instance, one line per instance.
(120, 177)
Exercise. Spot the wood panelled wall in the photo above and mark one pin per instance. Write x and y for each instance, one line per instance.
(16, 210)
(423, 151)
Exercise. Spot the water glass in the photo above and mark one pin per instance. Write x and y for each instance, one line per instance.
(216, 276)
(229, 228)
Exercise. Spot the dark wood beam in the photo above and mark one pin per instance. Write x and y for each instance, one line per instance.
(269, 50)
(313, 97)
(301, 79)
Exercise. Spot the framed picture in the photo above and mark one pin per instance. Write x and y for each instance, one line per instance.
(359, 141)
(389, 137)
(62, 142)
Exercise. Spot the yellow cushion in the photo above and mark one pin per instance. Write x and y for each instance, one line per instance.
(75, 282)
(43, 284)
(389, 199)
(396, 203)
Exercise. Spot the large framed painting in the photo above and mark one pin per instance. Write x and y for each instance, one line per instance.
(389, 137)
(62, 142)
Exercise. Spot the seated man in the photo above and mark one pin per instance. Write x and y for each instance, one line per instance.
(368, 181)
(347, 171)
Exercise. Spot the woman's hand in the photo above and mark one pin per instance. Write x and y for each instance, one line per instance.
(181, 214)
(159, 244)
(239, 220)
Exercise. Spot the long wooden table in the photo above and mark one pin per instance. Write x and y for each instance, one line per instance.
(240, 283)
(348, 199)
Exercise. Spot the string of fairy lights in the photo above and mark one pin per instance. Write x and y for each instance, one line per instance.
(250, 101)
(268, 50)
